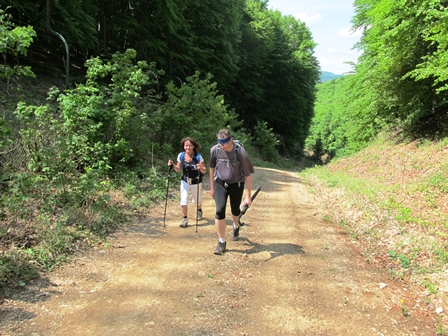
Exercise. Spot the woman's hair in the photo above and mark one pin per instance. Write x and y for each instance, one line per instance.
(224, 133)
(195, 144)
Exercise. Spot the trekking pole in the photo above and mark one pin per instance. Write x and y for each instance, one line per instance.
(245, 207)
(171, 167)
(197, 206)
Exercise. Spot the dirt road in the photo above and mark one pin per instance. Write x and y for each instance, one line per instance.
(291, 273)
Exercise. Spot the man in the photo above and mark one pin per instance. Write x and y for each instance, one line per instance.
(230, 174)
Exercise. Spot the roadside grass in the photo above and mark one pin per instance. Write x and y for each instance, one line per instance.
(41, 231)
(392, 199)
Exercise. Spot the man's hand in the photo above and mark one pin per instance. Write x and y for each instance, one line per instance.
(248, 201)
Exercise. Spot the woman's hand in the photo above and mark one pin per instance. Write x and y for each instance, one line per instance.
(171, 164)
(201, 167)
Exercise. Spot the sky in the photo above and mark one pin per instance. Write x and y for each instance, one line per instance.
(329, 22)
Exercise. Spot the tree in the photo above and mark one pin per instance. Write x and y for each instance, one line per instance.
(397, 39)
(278, 75)
(14, 41)
(215, 32)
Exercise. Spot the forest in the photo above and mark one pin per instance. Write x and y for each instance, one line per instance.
(399, 84)
(262, 62)
(96, 96)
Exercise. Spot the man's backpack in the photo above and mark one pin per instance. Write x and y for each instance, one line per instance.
(236, 146)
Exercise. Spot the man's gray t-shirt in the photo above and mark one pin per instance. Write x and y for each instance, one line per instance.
(229, 166)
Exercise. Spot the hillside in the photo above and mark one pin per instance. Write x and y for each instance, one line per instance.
(326, 76)
(392, 200)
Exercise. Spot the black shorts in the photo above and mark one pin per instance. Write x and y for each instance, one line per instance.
(234, 191)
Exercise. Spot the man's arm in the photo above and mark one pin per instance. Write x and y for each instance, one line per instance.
(212, 182)
(248, 185)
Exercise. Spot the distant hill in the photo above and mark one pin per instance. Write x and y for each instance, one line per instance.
(325, 76)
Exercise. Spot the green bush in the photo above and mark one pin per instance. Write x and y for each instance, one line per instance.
(265, 142)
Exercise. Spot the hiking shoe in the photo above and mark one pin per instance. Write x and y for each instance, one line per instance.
(199, 214)
(236, 233)
(184, 223)
(220, 248)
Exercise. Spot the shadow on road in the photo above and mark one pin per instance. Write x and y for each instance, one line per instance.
(275, 250)
(15, 314)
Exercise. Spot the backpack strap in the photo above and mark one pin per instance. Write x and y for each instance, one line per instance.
(196, 157)
(236, 146)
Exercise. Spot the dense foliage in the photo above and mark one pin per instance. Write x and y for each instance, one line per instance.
(262, 62)
(278, 75)
(400, 81)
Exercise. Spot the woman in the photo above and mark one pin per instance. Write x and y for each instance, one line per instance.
(191, 163)
(230, 170)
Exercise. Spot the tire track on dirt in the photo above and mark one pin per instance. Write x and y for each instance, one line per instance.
(286, 290)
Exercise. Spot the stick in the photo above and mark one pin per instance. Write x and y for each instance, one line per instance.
(244, 209)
